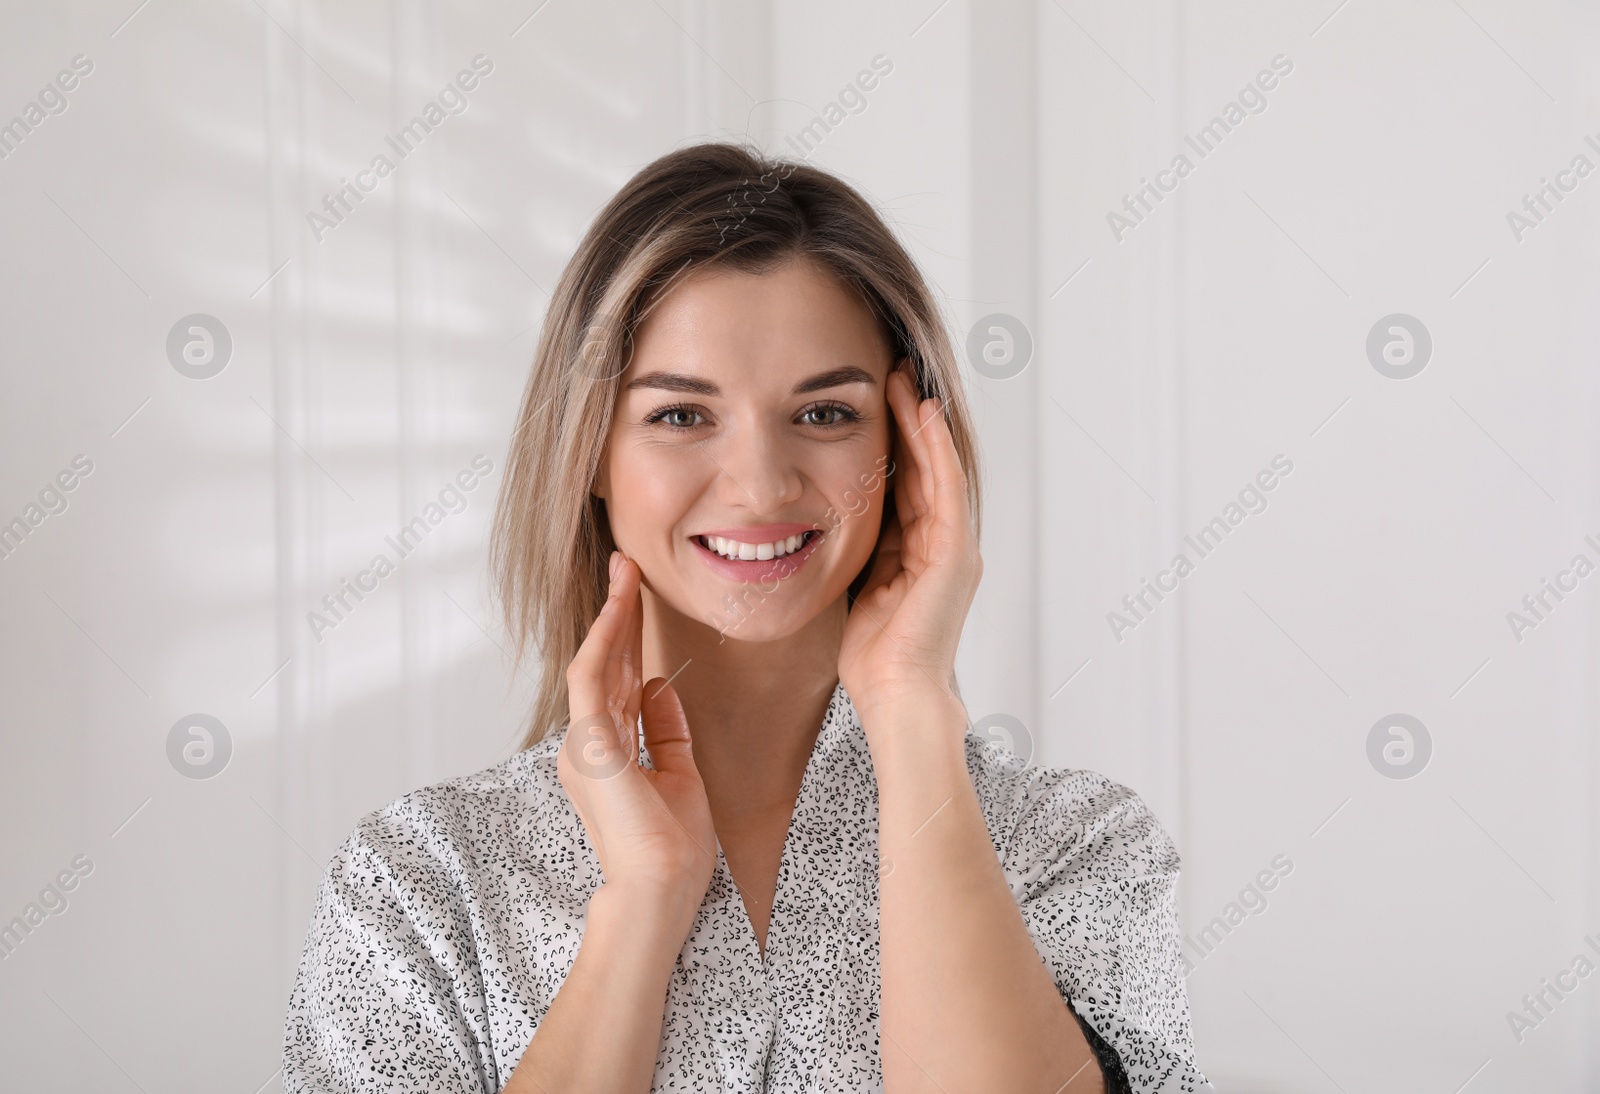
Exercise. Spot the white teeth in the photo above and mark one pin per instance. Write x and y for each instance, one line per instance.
(752, 552)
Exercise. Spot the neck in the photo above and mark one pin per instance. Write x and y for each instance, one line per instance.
(754, 708)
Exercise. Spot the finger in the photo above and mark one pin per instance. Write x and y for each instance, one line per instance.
(949, 479)
(917, 512)
(632, 653)
(666, 735)
(915, 501)
(587, 693)
(618, 672)
(903, 400)
(905, 507)
(601, 739)
(666, 729)
(923, 444)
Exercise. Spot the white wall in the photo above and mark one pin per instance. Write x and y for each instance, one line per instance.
(369, 368)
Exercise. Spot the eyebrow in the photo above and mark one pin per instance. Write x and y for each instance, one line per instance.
(693, 385)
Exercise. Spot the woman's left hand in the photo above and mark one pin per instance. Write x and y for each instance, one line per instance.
(902, 632)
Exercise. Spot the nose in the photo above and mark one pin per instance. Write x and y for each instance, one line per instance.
(756, 471)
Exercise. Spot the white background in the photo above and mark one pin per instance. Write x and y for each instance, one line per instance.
(1169, 368)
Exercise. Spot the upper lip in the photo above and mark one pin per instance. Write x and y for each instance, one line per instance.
(757, 534)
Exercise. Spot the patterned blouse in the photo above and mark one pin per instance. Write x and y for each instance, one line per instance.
(448, 920)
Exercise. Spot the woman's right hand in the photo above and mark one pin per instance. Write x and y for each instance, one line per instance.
(651, 829)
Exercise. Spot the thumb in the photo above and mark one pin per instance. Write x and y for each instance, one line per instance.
(666, 729)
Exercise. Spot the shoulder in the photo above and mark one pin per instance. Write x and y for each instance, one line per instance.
(1070, 823)
(425, 915)
(507, 816)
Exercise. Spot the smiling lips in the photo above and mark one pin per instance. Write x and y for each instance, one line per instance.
(759, 553)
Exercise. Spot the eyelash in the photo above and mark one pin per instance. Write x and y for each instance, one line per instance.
(848, 416)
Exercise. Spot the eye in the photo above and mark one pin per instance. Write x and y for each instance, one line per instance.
(676, 412)
(846, 415)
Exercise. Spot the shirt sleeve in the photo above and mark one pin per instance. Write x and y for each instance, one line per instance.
(1094, 874)
(388, 996)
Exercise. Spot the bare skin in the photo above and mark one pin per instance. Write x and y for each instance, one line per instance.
(966, 1002)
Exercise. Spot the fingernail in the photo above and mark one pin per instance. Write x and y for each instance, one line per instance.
(616, 560)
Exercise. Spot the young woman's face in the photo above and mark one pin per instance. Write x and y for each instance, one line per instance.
(752, 420)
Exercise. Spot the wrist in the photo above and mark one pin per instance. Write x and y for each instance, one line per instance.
(917, 744)
(917, 718)
(650, 921)
(647, 907)
(903, 686)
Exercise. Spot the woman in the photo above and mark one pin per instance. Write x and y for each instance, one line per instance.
(740, 515)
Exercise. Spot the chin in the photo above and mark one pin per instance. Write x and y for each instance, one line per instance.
(751, 616)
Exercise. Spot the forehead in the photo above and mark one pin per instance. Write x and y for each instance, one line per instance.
(796, 316)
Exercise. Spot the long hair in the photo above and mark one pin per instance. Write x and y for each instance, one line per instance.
(703, 206)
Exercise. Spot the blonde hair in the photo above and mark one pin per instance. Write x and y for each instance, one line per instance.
(703, 206)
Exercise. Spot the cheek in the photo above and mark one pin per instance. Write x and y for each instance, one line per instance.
(856, 498)
(651, 490)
